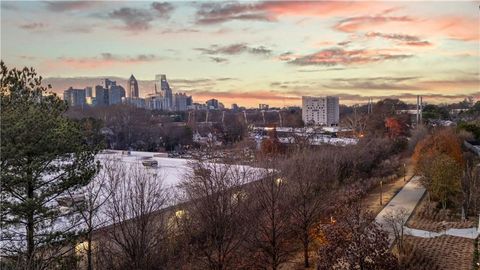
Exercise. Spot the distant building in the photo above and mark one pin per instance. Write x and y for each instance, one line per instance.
(212, 104)
(88, 91)
(163, 87)
(322, 111)
(197, 106)
(101, 96)
(116, 93)
(180, 102)
(74, 97)
(263, 106)
(154, 102)
(234, 107)
(132, 88)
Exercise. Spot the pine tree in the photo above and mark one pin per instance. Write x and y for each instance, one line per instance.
(43, 155)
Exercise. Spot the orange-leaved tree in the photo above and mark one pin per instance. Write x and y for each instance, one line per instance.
(441, 142)
(395, 127)
(438, 159)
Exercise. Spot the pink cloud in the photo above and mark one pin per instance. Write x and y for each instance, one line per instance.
(339, 56)
(101, 61)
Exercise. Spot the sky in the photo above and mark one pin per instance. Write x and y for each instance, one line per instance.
(253, 52)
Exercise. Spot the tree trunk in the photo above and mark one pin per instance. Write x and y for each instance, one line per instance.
(30, 228)
(305, 250)
(89, 251)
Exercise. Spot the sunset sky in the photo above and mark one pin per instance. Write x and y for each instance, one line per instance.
(253, 52)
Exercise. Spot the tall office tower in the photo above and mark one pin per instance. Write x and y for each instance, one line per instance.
(109, 83)
(74, 97)
(161, 84)
(132, 87)
(115, 94)
(320, 110)
(101, 96)
(212, 104)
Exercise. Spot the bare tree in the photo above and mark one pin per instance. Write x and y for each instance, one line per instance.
(304, 173)
(137, 229)
(216, 213)
(88, 202)
(395, 221)
(271, 239)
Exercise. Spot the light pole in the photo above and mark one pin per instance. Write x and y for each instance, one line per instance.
(404, 172)
(381, 192)
(478, 230)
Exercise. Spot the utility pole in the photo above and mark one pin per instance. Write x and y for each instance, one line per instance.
(404, 172)
(280, 118)
(418, 110)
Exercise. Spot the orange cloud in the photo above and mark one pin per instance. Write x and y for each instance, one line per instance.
(460, 28)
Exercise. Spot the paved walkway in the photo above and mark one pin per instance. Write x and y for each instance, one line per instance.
(470, 233)
(407, 198)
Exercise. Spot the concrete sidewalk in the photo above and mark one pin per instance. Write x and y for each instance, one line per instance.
(470, 233)
(407, 198)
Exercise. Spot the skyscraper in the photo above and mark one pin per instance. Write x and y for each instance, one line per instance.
(74, 97)
(132, 87)
(101, 96)
(161, 85)
(115, 94)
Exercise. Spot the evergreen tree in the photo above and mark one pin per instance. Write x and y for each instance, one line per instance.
(43, 155)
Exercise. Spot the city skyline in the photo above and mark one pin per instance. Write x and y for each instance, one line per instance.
(253, 52)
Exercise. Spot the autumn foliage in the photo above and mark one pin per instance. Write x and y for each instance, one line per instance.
(442, 142)
(272, 146)
(439, 160)
(395, 127)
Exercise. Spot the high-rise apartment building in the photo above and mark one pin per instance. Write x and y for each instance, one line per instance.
(263, 106)
(74, 97)
(132, 88)
(320, 110)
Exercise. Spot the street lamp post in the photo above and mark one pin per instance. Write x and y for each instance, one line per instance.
(404, 173)
(478, 230)
(381, 192)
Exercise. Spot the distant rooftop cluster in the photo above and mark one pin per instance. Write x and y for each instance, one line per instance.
(162, 98)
